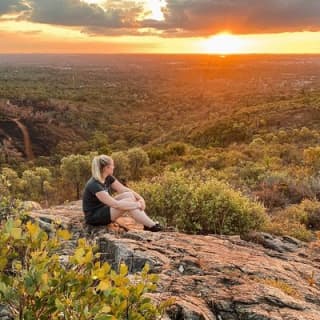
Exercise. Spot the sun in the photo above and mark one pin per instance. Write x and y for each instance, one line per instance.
(223, 43)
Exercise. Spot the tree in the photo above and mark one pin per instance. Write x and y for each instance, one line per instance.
(75, 169)
(122, 166)
(37, 183)
(14, 183)
(99, 142)
(138, 159)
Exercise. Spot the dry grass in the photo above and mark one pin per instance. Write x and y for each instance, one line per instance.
(283, 286)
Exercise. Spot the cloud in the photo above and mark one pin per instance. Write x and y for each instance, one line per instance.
(78, 13)
(100, 31)
(12, 6)
(30, 33)
(206, 17)
(182, 18)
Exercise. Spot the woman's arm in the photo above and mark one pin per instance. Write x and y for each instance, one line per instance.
(120, 188)
(124, 204)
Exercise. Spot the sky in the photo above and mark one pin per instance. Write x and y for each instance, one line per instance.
(160, 26)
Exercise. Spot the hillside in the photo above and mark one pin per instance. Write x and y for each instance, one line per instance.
(138, 100)
(249, 124)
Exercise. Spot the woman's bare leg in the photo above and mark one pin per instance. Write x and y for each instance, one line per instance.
(141, 217)
(125, 195)
(116, 213)
(138, 215)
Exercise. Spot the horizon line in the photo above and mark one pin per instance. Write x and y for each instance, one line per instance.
(163, 53)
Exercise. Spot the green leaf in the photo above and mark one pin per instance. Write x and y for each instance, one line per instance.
(123, 269)
(64, 234)
(60, 306)
(3, 263)
(16, 233)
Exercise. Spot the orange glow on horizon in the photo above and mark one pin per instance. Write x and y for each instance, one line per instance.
(27, 37)
(224, 43)
(20, 35)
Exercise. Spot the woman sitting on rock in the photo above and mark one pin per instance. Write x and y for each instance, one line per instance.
(100, 208)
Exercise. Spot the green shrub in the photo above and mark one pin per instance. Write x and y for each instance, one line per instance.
(282, 227)
(220, 209)
(138, 159)
(35, 284)
(4, 185)
(10, 207)
(290, 221)
(194, 205)
(177, 148)
(251, 173)
(312, 214)
(121, 162)
(157, 154)
(222, 133)
(166, 196)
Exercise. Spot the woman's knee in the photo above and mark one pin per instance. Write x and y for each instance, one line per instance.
(125, 195)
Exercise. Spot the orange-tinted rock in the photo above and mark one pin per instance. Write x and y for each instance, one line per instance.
(213, 277)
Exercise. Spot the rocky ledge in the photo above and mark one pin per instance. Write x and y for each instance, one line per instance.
(212, 277)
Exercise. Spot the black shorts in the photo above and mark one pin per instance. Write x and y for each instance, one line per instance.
(99, 217)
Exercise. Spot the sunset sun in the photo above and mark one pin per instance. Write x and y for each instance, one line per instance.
(224, 43)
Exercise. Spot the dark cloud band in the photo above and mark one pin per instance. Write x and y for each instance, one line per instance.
(12, 6)
(78, 13)
(205, 17)
(182, 17)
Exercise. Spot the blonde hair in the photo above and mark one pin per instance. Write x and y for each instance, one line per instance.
(98, 163)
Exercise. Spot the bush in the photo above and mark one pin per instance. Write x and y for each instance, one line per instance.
(290, 221)
(166, 196)
(157, 154)
(121, 162)
(280, 189)
(223, 133)
(34, 284)
(311, 158)
(177, 148)
(312, 214)
(193, 205)
(10, 207)
(138, 159)
(4, 185)
(220, 209)
(251, 173)
(11, 181)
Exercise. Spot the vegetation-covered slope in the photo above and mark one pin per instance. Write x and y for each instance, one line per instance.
(249, 122)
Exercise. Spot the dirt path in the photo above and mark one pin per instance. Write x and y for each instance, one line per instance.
(26, 139)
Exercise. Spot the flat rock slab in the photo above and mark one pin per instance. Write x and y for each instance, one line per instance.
(212, 277)
(71, 217)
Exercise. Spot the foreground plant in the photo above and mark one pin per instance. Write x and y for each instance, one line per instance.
(35, 282)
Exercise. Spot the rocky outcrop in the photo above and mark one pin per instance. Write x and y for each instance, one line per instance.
(212, 277)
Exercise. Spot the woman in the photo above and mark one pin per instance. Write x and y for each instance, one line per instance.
(100, 208)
